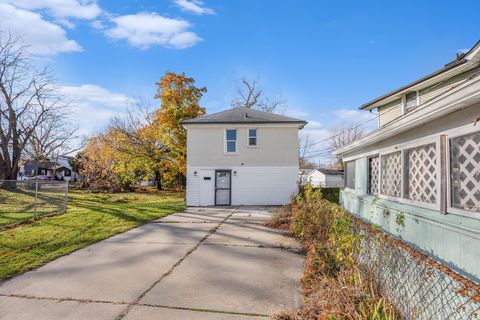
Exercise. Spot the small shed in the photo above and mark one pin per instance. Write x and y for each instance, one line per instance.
(322, 177)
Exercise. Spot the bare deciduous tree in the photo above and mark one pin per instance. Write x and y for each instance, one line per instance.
(343, 136)
(250, 95)
(54, 135)
(27, 98)
(304, 151)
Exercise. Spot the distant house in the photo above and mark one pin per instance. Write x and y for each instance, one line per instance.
(418, 175)
(60, 169)
(321, 177)
(242, 157)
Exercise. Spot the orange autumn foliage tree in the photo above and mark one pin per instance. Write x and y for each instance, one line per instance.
(144, 145)
(180, 100)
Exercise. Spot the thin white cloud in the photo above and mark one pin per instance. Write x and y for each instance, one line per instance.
(96, 95)
(194, 6)
(296, 113)
(78, 9)
(145, 29)
(44, 38)
(313, 124)
(353, 115)
(92, 106)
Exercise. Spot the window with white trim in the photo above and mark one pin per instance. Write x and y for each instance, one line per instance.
(252, 137)
(421, 173)
(465, 172)
(231, 140)
(350, 174)
(411, 101)
(373, 175)
(391, 174)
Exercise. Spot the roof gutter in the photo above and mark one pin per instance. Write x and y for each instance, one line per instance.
(466, 95)
(448, 67)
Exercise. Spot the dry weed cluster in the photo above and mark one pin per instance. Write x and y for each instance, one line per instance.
(334, 285)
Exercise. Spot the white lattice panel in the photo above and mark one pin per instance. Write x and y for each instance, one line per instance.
(422, 174)
(373, 175)
(465, 171)
(391, 174)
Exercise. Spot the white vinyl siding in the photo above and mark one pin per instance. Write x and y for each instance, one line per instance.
(436, 90)
(393, 110)
(389, 112)
(250, 185)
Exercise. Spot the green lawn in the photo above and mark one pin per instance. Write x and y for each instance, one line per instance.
(18, 202)
(89, 218)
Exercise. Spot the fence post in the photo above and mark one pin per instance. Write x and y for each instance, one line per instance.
(36, 195)
(66, 196)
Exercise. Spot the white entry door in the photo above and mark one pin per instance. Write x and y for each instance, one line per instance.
(207, 187)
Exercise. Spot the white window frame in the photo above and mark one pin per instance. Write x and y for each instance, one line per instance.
(354, 177)
(225, 142)
(450, 134)
(386, 152)
(248, 138)
(435, 139)
(404, 102)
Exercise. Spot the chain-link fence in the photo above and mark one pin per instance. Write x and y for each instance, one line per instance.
(419, 287)
(23, 200)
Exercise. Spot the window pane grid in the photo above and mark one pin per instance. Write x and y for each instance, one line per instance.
(231, 138)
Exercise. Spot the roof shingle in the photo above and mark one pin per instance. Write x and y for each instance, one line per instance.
(244, 115)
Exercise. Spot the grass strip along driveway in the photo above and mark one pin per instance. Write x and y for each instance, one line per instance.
(89, 218)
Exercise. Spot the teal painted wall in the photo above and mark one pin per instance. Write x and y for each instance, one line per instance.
(451, 239)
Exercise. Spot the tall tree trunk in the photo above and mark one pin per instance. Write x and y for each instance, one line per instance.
(158, 180)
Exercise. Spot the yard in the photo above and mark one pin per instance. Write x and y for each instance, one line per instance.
(90, 218)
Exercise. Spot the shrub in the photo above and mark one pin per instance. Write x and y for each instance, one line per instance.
(335, 286)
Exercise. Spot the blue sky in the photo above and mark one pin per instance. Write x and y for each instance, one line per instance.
(323, 58)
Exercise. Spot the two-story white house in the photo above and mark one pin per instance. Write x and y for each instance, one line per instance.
(242, 156)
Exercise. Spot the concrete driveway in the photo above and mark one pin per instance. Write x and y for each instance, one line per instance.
(205, 263)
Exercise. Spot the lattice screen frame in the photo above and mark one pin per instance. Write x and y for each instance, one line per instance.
(397, 157)
(425, 174)
(403, 149)
(373, 174)
(457, 134)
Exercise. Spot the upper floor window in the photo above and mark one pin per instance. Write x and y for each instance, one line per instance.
(252, 137)
(411, 101)
(231, 140)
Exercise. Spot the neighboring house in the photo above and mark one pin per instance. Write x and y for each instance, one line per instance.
(57, 170)
(322, 177)
(418, 175)
(242, 157)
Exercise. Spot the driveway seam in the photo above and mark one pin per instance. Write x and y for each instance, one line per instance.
(23, 296)
(28, 297)
(203, 310)
(164, 275)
